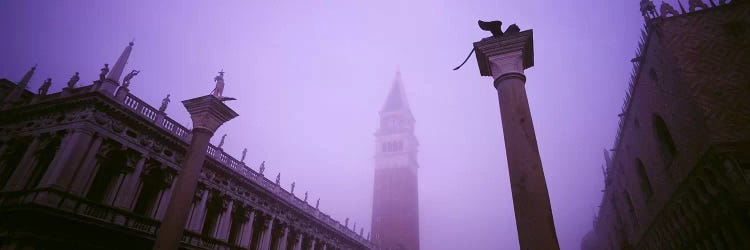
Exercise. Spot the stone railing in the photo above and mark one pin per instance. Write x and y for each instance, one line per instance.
(78, 206)
(160, 119)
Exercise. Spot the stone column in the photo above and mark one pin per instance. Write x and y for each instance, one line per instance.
(86, 170)
(225, 222)
(505, 58)
(207, 114)
(15, 182)
(67, 160)
(298, 241)
(128, 188)
(265, 243)
(199, 212)
(282, 241)
(166, 196)
(246, 235)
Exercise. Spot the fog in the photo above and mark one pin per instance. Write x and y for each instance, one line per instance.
(311, 76)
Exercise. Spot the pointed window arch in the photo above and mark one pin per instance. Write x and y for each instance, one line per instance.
(664, 137)
(645, 183)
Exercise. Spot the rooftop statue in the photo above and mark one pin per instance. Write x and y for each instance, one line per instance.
(45, 87)
(262, 167)
(164, 103)
(73, 80)
(244, 153)
(292, 191)
(305, 196)
(494, 27)
(221, 143)
(648, 9)
(126, 80)
(317, 203)
(278, 179)
(103, 73)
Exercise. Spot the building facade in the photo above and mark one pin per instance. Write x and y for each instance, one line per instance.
(678, 176)
(395, 211)
(93, 167)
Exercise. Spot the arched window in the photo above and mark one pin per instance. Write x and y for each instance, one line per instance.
(666, 144)
(643, 178)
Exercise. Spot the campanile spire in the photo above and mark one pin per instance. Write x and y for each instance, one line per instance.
(395, 213)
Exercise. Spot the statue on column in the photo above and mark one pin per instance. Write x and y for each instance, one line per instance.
(73, 80)
(126, 80)
(278, 179)
(221, 143)
(262, 167)
(244, 153)
(494, 27)
(305, 196)
(164, 103)
(104, 72)
(218, 91)
(45, 87)
(292, 191)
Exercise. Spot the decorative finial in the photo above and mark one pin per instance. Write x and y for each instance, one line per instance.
(132, 42)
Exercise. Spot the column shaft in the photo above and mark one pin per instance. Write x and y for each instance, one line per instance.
(17, 179)
(265, 243)
(225, 223)
(247, 231)
(171, 229)
(127, 192)
(85, 171)
(199, 213)
(67, 159)
(536, 228)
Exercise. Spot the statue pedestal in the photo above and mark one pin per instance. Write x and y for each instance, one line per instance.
(208, 113)
(107, 86)
(505, 58)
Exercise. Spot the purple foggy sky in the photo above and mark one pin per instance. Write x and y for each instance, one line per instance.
(311, 76)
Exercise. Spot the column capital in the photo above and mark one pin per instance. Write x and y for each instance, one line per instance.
(511, 53)
(208, 112)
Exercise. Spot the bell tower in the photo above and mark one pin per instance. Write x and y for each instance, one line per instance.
(395, 213)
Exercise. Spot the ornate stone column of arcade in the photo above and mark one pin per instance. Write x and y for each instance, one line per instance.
(504, 57)
(208, 113)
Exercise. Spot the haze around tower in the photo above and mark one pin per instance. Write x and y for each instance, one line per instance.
(310, 78)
